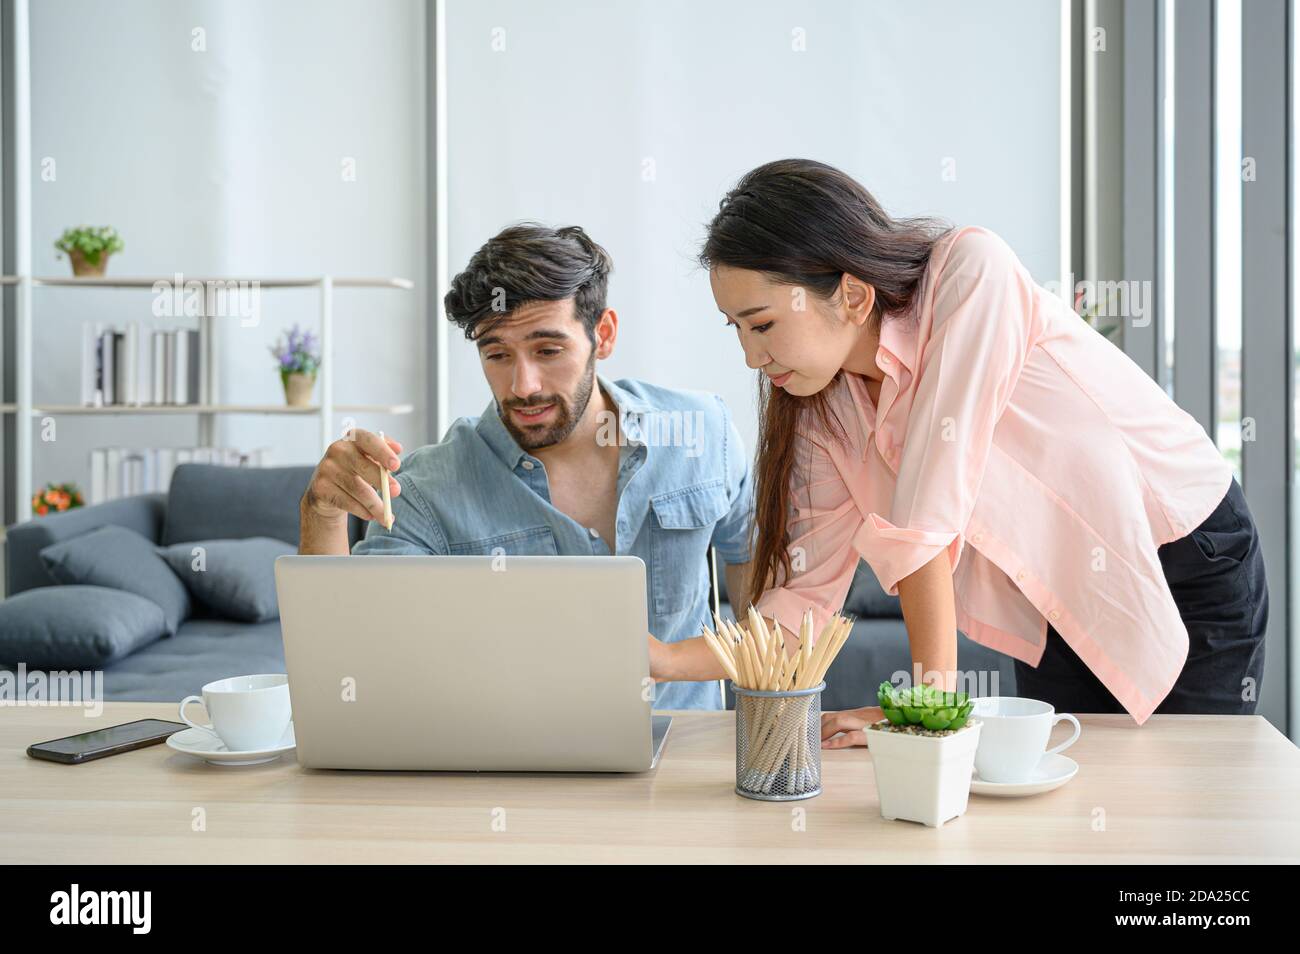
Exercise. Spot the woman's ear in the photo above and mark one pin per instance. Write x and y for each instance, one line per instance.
(859, 297)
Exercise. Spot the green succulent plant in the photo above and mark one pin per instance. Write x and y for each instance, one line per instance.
(926, 706)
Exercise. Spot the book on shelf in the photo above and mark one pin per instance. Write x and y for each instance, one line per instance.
(105, 377)
(184, 349)
(126, 471)
(136, 366)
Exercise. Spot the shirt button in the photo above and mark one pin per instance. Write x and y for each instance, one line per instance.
(976, 537)
(528, 465)
(594, 532)
(1020, 575)
(884, 359)
(1053, 614)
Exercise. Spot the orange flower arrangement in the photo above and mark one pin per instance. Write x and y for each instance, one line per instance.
(57, 497)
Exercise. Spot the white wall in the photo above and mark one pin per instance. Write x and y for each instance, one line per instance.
(228, 162)
(560, 124)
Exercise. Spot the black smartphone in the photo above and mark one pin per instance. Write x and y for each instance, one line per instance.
(98, 743)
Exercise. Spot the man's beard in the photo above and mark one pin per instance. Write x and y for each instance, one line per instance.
(567, 414)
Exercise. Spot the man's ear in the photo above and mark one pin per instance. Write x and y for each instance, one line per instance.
(859, 297)
(606, 333)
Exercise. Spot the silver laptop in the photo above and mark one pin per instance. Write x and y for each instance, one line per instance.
(478, 663)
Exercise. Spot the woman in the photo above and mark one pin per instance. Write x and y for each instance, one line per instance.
(1004, 469)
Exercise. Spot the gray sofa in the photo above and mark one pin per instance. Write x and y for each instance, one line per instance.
(205, 501)
(210, 502)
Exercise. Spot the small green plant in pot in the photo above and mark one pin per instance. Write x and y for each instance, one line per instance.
(923, 752)
(89, 247)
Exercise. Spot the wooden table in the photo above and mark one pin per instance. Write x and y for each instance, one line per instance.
(1178, 789)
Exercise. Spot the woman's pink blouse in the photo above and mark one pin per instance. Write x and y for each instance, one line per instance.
(1040, 456)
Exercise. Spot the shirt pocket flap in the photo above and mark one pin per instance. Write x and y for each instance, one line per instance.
(692, 508)
(535, 541)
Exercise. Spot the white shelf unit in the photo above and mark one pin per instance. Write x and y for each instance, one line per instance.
(209, 406)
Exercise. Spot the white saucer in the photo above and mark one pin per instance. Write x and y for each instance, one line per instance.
(208, 746)
(1052, 772)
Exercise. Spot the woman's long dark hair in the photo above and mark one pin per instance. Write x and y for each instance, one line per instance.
(806, 224)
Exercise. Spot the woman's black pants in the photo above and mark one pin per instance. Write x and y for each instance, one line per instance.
(1216, 575)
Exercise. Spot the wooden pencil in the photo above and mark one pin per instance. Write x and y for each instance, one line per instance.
(384, 475)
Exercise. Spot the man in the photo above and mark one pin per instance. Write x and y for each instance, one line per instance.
(562, 461)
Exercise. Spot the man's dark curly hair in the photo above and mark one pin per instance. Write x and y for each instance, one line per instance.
(525, 263)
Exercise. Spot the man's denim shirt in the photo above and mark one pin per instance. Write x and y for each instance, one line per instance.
(684, 485)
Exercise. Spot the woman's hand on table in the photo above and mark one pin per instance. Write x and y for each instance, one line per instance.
(847, 727)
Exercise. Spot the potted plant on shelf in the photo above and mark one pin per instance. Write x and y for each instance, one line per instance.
(299, 361)
(923, 752)
(57, 498)
(89, 248)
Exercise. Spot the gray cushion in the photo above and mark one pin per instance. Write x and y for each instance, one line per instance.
(234, 579)
(212, 502)
(124, 560)
(24, 541)
(76, 627)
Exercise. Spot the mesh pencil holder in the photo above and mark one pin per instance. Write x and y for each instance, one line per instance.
(779, 743)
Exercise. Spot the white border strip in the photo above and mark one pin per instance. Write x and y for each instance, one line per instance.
(441, 275)
(1066, 145)
(23, 422)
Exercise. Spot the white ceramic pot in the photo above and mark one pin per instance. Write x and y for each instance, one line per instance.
(923, 778)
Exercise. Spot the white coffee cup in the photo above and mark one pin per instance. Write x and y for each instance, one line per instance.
(248, 713)
(1014, 736)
